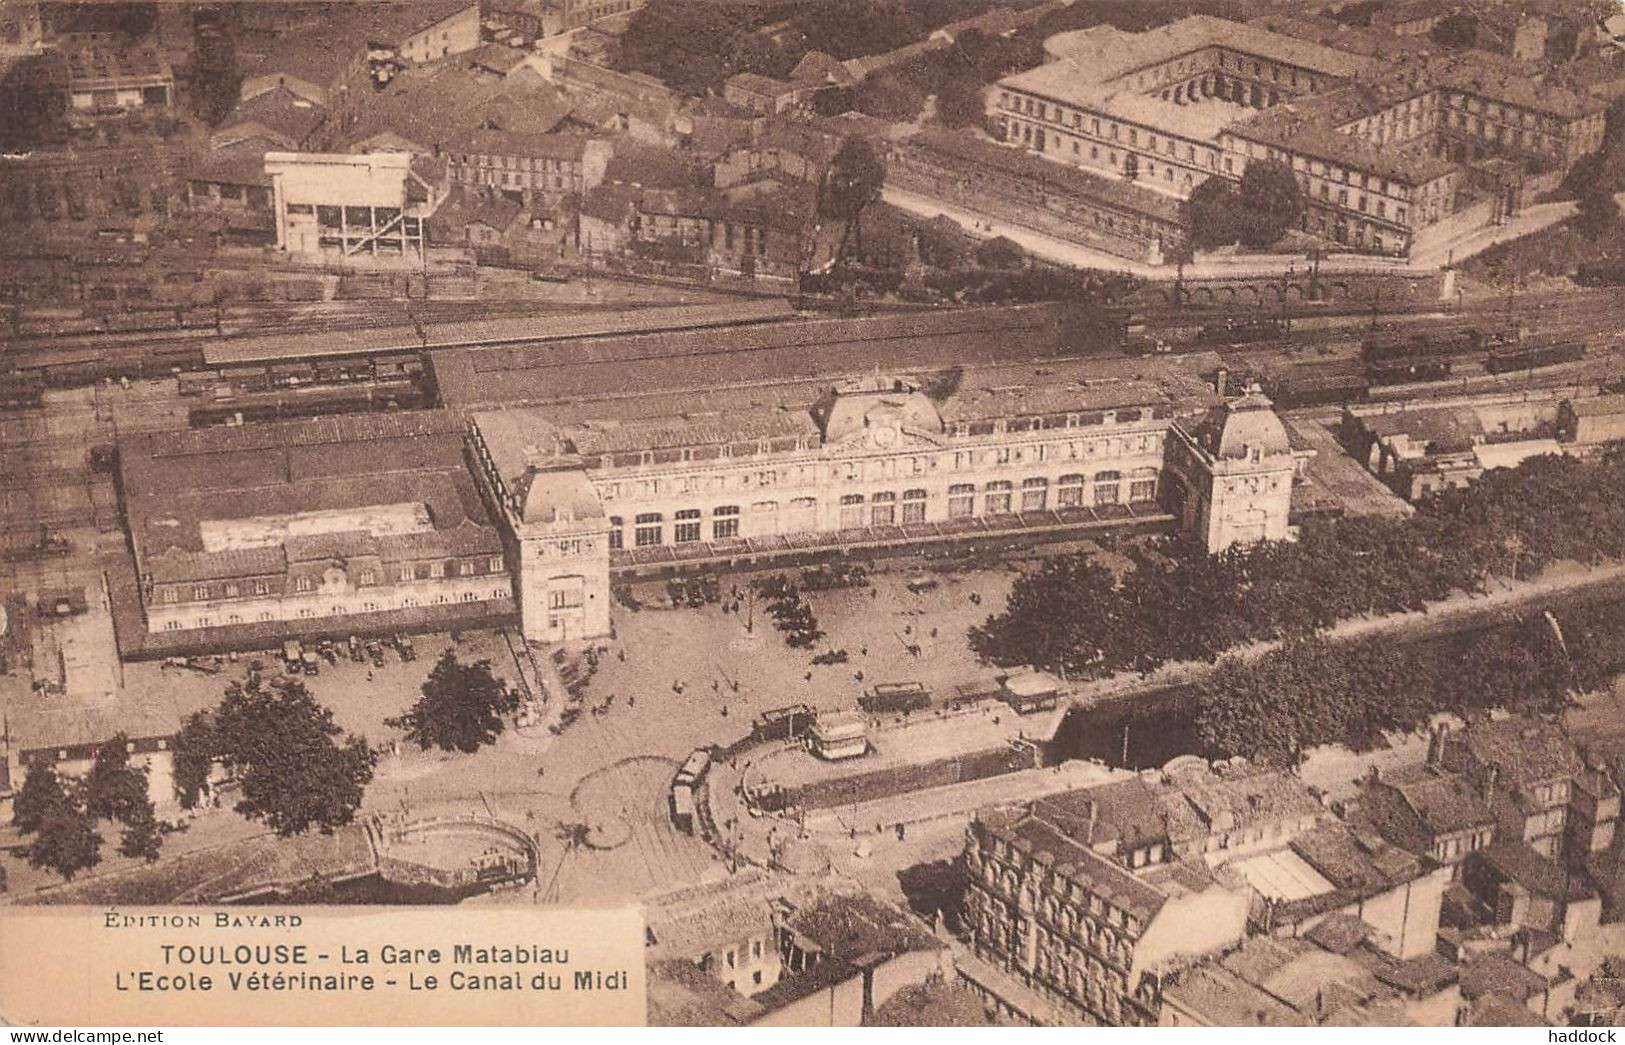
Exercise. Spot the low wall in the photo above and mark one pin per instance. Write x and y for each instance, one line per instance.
(896, 780)
(411, 872)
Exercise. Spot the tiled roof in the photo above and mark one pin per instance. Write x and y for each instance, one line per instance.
(1500, 973)
(1443, 801)
(175, 481)
(765, 86)
(1294, 132)
(1033, 834)
(1516, 861)
(1110, 53)
(240, 163)
(1223, 999)
(1523, 751)
(278, 110)
(461, 208)
(816, 67)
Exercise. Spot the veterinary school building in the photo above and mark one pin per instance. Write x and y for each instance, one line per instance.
(1381, 133)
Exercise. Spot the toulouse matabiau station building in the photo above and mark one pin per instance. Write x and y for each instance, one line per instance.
(868, 462)
(544, 479)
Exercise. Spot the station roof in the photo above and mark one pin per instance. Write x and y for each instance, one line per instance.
(542, 327)
(177, 483)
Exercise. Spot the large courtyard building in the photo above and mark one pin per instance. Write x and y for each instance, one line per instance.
(1384, 135)
(356, 522)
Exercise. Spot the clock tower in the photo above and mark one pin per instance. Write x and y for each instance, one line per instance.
(1231, 475)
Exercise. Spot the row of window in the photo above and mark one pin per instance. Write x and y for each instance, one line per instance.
(469, 176)
(405, 572)
(888, 508)
(307, 612)
(1113, 132)
(886, 468)
(515, 163)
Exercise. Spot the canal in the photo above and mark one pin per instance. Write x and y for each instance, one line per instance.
(1148, 729)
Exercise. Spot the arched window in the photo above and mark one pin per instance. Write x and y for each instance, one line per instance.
(647, 529)
(884, 509)
(913, 506)
(851, 511)
(961, 501)
(1034, 494)
(1142, 487)
(997, 499)
(1107, 488)
(725, 522)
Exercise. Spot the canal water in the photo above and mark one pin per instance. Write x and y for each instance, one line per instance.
(1151, 728)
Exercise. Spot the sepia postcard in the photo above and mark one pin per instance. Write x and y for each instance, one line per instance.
(812, 513)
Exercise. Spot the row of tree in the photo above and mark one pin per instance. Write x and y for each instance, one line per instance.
(64, 816)
(294, 767)
(1074, 616)
(1311, 692)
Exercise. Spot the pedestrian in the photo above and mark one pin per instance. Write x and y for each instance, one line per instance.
(908, 629)
(724, 711)
(933, 633)
(631, 702)
(621, 655)
(864, 650)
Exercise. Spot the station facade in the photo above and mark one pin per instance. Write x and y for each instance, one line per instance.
(874, 461)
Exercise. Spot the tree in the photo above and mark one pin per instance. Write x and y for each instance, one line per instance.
(114, 790)
(889, 97)
(281, 745)
(1001, 253)
(849, 28)
(67, 841)
(34, 97)
(1061, 618)
(461, 707)
(961, 103)
(1211, 213)
(1457, 32)
(193, 754)
(1598, 214)
(41, 793)
(685, 43)
(1273, 200)
(216, 79)
(142, 836)
(853, 182)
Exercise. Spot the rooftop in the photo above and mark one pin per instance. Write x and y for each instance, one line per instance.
(1301, 133)
(1107, 53)
(278, 110)
(811, 350)
(1516, 861)
(180, 487)
(765, 86)
(1443, 801)
(1523, 751)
